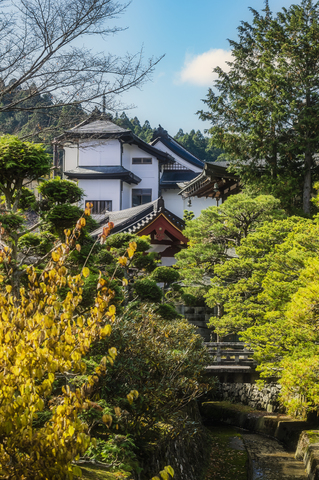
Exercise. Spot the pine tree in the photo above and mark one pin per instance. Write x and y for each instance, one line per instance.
(265, 114)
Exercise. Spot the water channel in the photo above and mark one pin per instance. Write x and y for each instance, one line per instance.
(238, 454)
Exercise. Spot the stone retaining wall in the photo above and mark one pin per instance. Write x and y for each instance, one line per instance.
(308, 452)
(250, 394)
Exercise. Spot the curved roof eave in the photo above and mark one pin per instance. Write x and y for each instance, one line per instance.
(179, 150)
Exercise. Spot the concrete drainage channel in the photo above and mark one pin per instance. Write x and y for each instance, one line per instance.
(269, 460)
(278, 447)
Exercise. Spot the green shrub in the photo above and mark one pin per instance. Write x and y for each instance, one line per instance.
(148, 290)
(27, 199)
(40, 243)
(11, 221)
(58, 191)
(166, 275)
(168, 312)
(189, 300)
(117, 451)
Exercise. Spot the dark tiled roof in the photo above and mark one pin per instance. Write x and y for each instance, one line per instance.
(115, 172)
(170, 179)
(204, 183)
(132, 220)
(162, 136)
(100, 127)
(97, 126)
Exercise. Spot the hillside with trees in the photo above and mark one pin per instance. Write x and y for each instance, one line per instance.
(41, 124)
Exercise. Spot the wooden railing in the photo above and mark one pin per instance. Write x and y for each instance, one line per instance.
(230, 353)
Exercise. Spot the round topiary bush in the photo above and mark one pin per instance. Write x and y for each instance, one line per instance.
(165, 275)
(148, 290)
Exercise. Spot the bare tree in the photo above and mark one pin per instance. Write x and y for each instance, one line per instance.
(40, 56)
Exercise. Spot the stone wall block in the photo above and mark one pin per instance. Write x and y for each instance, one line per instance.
(249, 394)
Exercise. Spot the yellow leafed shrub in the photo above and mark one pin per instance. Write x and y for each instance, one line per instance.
(42, 337)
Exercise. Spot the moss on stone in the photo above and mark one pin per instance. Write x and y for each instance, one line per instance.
(313, 436)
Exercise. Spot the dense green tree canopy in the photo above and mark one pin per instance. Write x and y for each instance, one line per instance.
(268, 294)
(20, 162)
(265, 111)
(214, 235)
(254, 287)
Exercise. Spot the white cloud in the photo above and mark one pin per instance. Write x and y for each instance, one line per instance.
(198, 70)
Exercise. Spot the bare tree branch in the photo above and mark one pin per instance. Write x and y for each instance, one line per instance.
(38, 55)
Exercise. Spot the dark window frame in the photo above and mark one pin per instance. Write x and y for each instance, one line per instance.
(141, 196)
(100, 206)
(142, 161)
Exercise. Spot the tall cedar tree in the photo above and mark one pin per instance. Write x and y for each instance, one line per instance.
(265, 114)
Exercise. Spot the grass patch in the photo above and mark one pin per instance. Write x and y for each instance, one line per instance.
(227, 461)
(97, 472)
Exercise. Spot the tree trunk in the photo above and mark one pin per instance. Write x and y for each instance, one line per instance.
(307, 183)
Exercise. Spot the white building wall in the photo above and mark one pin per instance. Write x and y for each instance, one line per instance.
(100, 153)
(71, 154)
(126, 156)
(177, 204)
(149, 174)
(178, 159)
(96, 153)
(126, 196)
(102, 190)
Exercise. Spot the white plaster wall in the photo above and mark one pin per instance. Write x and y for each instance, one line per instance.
(102, 190)
(180, 160)
(70, 157)
(100, 153)
(176, 204)
(126, 196)
(149, 174)
(126, 156)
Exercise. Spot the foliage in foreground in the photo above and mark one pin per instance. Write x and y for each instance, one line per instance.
(60, 384)
(43, 340)
(161, 359)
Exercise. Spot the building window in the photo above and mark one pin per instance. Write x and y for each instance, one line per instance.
(140, 196)
(100, 206)
(175, 166)
(140, 161)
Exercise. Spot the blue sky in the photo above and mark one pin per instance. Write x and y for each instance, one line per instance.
(193, 37)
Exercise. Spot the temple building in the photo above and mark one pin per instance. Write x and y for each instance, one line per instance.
(143, 188)
(117, 170)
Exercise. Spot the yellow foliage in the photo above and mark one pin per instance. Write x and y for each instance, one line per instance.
(40, 336)
(165, 474)
(86, 272)
(123, 261)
